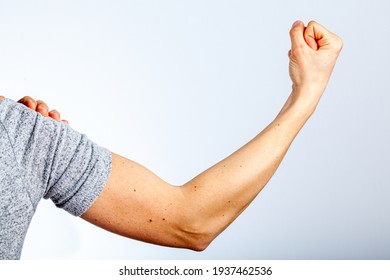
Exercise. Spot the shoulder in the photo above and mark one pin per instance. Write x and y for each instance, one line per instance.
(13, 113)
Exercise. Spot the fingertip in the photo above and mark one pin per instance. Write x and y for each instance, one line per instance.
(297, 26)
(54, 112)
(42, 110)
(54, 115)
(296, 23)
(30, 103)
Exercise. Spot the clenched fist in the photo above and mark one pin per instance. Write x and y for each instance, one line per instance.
(313, 54)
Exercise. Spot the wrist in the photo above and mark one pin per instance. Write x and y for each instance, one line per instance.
(306, 97)
(302, 102)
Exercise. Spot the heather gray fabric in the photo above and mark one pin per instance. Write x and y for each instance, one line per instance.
(40, 157)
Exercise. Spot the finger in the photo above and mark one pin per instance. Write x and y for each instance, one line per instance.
(42, 108)
(54, 114)
(65, 121)
(29, 102)
(1, 97)
(296, 35)
(316, 36)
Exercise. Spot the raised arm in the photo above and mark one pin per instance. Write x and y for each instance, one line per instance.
(138, 204)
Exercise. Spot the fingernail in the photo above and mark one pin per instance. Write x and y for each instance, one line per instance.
(296, 23)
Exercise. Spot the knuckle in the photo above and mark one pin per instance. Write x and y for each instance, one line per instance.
(340, 43)
(41, 103)
(28, 100)
(298, 49)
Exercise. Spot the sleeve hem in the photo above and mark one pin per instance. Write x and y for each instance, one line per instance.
(82, 201)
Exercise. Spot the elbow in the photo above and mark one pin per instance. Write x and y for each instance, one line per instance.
(196, 236)
(198, 245)
(196, 228)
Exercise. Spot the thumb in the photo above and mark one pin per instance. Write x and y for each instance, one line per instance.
(296, 34)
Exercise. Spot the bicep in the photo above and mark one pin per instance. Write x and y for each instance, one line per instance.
(137, 204)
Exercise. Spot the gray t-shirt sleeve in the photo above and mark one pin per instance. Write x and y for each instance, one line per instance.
(60, 163)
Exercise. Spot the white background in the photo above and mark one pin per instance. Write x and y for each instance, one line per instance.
(179, 85)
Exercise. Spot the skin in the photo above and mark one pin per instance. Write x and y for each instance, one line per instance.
(41, 107)
(138, 204)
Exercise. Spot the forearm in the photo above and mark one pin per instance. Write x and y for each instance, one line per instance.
(219, 194)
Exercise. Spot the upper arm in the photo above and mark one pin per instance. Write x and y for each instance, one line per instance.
(55, 161)
(136, 203)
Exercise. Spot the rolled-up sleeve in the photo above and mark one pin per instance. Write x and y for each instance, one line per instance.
(60, 163)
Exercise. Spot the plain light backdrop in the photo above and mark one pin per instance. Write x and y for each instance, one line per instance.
(179, 85)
